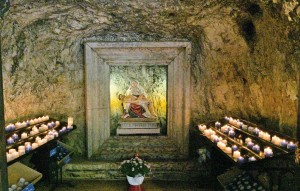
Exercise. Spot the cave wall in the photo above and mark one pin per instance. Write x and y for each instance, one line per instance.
(245, 58)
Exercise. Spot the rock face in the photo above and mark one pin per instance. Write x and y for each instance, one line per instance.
(245, 57)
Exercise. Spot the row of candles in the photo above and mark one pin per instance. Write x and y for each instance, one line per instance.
(34, 130)
(261, 134)
(11, 127)
(28, 146)
(233, 150)
(224, 146)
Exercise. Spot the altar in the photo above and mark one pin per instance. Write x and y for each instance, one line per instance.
(134, 126)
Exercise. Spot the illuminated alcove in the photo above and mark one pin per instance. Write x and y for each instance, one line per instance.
(101, 58)
(153, 79)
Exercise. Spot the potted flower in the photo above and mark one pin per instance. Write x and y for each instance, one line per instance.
(135, 169)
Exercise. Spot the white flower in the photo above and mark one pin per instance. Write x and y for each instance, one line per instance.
(132, 169)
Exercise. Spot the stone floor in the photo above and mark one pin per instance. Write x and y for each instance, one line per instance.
(148, 185)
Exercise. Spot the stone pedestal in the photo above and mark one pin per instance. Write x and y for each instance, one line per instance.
(138, 126)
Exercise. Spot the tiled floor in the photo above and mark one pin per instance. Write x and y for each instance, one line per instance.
(148, 185)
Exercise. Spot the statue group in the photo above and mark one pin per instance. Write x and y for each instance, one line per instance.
(135, 102)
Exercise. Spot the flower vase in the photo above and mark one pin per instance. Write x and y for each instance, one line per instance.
(135, 181)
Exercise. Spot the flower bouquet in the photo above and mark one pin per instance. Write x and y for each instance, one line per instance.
(135, 167)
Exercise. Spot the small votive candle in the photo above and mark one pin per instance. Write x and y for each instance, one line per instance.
(40, 142)
(283, 143)
(256, 148)
(24, 135)
(21, 147)
(207, 132)
(11, 151)
(15, 137)
(9, 157)
(201, 127)
(217, 124)
(234, 148)
(291, 146)
(250, 145)
(10, 141)
(28, 148)
(216, 139)
(70, 121)
(21, 152)
(221, 145)
(37, 139)
(228, 150)
(256, 131)
(231, 133)
(240, 160)
(248, 140)
(251, 159)
(236, 154)
(15, 155)
(267, 137)
(276, 140)
(34, 146)
(268, 152)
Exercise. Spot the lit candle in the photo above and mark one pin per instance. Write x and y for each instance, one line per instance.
(21, 147)
(221, 145)
(40, 142)
(291, 146)
(224, 129)
(256, 131)
(276, 140)
(248, 140)
(240, 160)
(268, 152)
(37, 139)
(24, 135)
(207, 132)
(11, 151)
(283, 143)
(21, 152)
(15, 155)
(9, 157)
(216, 139)
(256, 148)
(251, 159)
(236, 154)
(231, 133)
(10, 141)
(57, 123)
(250, 145)
(217, 125)
(261, 134)
(267, 137)
(36, 121)
(245, 127)
(34, 146)
(70, 121)
(31, 121)
(40, 120)
(28, 148)
(201, 127)
(234, 148)
(15, 137)
(251, 130)
(18, 125)
(228, 150)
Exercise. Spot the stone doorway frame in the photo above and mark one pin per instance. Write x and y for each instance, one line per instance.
(99, 56)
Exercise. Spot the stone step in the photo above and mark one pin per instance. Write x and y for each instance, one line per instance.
(154, 148)
(167, 170)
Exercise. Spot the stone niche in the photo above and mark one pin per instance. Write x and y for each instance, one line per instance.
(99, 56)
